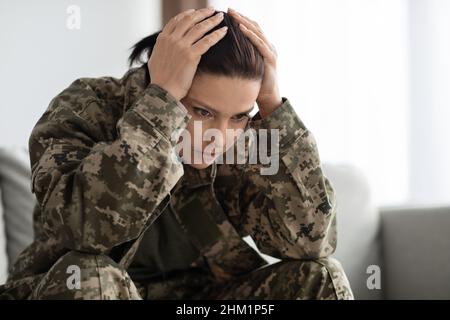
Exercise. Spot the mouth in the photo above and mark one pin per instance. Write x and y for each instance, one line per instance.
(213, 154)
(205, 156)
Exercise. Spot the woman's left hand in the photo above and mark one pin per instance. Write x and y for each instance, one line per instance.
(269, 97)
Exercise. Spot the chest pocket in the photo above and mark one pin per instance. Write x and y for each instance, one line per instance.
(209, 229)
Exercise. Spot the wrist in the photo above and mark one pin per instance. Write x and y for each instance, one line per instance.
(269, 105)
(175, 93)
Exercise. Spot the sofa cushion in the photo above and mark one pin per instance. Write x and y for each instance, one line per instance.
(18, 201)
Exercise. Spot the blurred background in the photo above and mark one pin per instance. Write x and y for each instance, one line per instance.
(369, 78)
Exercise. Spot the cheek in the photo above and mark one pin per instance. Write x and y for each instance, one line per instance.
(244, 123)
(227, 138)
(237, 129)
(194, 132)
(240, 126)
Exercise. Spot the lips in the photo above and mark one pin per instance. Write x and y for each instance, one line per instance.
(206, 154)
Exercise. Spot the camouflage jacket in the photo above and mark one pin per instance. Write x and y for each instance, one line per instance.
(102, 174)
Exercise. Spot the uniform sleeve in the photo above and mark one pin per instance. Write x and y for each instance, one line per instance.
(292, 213)
(98, 180)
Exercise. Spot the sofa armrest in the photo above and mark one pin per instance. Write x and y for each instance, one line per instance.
(416, 252)
(17, 199)
(3, 253)
(358, 227)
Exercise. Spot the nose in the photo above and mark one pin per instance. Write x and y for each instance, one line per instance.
(220, 140)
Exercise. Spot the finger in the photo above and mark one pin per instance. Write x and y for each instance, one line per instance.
(259, 43)
(170, 26)
(189, 20)
(250, 24)
(253, 26)
(238, 14)
(201, 46)
(200, 29)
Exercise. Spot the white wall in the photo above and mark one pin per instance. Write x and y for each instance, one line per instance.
(430, 108)
(344, 66)
(40, 56)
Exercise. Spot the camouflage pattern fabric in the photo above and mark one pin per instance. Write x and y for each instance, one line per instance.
(103, 173)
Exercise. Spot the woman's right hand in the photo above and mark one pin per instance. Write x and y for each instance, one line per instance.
(179, 47)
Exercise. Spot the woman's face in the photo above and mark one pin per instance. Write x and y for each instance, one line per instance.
(220, 103)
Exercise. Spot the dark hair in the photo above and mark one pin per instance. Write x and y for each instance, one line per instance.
(234, 55)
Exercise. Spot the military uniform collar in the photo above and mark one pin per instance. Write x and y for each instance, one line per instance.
(194, 178)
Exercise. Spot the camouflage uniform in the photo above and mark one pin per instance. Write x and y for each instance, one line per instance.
(140, 224)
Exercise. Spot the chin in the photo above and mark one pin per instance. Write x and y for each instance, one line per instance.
(200, 166)
(206, 161)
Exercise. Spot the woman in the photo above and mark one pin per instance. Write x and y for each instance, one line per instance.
(119, 217)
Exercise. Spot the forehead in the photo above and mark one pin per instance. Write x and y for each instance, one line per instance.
(228, 95)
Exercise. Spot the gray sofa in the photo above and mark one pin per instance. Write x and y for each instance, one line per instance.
(402, 253)
(410, 245)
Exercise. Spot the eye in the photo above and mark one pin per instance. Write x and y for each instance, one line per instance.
(239, 117)
(202, 112)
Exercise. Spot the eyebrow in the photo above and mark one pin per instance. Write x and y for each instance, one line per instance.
(247, 112)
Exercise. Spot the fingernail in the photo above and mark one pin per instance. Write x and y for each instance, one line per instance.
(220, 15)
(224, 29)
